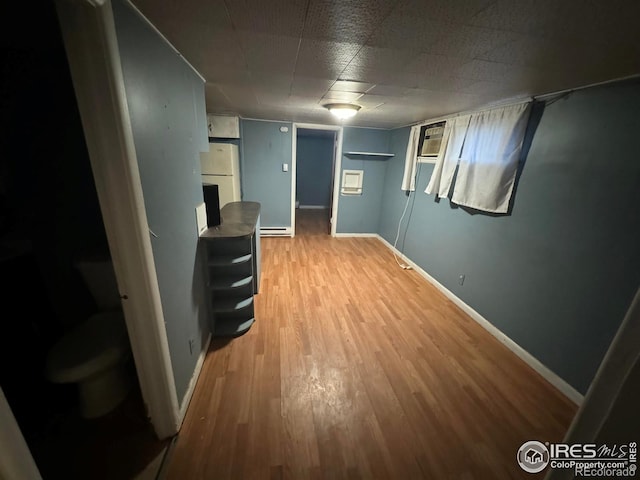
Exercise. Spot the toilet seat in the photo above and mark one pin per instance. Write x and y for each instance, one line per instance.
(91, 347)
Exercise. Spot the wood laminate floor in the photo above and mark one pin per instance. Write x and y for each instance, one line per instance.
(356, 368)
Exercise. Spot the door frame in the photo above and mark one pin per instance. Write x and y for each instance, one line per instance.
(337, 167)
(89, 35)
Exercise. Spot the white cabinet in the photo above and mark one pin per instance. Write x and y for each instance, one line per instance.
(223, 126)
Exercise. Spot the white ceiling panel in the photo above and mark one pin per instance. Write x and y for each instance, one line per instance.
(345, 20)
(378, 58)
(412, 59)
(334, 96)
(278, 17)
(410, 32)
(351, 86)
(310, 86)
(270, 53)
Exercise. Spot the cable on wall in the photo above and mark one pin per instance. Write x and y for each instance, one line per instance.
(404, 266)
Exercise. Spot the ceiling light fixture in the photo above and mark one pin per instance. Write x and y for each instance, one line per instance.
(343, 110)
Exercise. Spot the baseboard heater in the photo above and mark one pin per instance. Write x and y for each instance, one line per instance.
(275, 232)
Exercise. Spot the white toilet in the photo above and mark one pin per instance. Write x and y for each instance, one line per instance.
(94, 354)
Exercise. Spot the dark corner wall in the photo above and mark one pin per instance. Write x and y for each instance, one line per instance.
(558, 274)
(314, 167)
(167, 108)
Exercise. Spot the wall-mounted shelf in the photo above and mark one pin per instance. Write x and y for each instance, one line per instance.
(371, 155)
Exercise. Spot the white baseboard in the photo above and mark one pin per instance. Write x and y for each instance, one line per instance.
(363, 235)
(566, 389)
(313, 207)
(194, 379)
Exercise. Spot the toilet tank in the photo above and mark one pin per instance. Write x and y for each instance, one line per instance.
(99, 276)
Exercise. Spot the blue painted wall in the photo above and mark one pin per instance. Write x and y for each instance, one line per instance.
(314, 168)
(166, 104)
(264, 149)
(558, 274)
(361, 213)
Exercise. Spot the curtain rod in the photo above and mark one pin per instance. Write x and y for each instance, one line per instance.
(509, 102)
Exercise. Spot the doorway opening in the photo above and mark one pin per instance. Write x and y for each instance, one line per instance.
(46, 185)
(315, 157)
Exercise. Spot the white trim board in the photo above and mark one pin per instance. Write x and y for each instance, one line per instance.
(16, 460)
(194, 379)
(90, 41)
(356, 235)
(566, 389)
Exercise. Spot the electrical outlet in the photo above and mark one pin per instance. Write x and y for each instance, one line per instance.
(461, 280)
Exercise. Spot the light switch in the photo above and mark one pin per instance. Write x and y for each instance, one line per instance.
(285, 167)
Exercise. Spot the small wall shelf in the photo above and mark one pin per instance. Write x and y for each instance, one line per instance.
(371, 155)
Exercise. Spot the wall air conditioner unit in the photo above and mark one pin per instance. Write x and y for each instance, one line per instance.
(430, 141)
(223, 126)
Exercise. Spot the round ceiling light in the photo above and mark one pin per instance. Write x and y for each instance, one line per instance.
(343, 110)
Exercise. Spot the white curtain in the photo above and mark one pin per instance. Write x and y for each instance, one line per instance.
(453, 137)
(409, 177)
(490, 157)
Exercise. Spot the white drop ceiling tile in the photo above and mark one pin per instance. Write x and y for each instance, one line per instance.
(239, 94)
(310, 86)
(345, 20)
(306, 67)
(485, 93)
(537, 17)
(428, 81)
(226, 45)
(280, 17)
(269, 52)
(271, 81)
(437, 64)
(368, 75)
(469, 42)
(284, 100)
(370, 101)
(407, 32)
(449, 12)
(322, 50)
(583, 61)
(351, 86)
(377, 58)
(388, 90)
(341, 96)
(176, 16)
(494, 71)
(214, 98)
(226, 74)
(324, 59)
